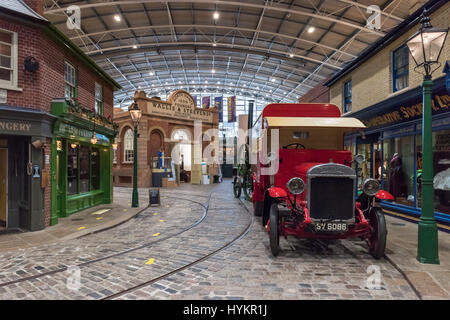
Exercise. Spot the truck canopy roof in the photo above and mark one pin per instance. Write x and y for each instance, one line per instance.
(314, 122)
(301, 110)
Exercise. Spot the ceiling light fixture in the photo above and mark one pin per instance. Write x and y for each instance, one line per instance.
(117, 18)
(291, 55)
(213, 71)
(311, 29)
(216, 15)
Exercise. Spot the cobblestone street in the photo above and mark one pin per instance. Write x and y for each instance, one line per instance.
(156, 256)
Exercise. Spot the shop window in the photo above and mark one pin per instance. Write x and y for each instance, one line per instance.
(95, 164)
(347, 94)
(128, 148)
(398, 159)
(8, 59)
(363, 168)
(400, 68)
(84, 169)
(441, 170)
(72, 170)
(98, 98)
(70, 81)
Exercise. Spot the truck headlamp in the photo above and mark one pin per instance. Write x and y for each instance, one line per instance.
(296, 186)
(371, 187)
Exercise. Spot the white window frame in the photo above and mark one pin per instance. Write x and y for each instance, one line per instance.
(13, 83)
(128, 150)
(66, 82)
(98, 86)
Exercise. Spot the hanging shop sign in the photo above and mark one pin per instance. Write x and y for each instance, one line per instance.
(218, 103)
(440, 103)
(180, 105)
(232, 109)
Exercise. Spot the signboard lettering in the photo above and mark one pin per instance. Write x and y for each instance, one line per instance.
(439, 104)
(182, 107)
(15, 126)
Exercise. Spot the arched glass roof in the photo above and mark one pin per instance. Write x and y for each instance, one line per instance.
(253, 48)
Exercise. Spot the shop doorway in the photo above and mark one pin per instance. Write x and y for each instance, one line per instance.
(155, 144)
(3, 189)
(182, 151)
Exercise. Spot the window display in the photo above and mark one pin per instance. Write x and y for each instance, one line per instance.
(72, 170)
(84, 169)
(364, 168)
(95, 165)
(399, 159)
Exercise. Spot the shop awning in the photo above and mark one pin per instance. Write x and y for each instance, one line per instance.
(314, 122)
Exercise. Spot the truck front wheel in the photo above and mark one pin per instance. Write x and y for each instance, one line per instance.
(377, 240)
(274, 232)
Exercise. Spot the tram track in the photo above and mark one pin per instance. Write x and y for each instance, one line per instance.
(242, 234)
(123, 252)
(205, 207)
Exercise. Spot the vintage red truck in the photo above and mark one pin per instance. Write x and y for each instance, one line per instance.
(307, 186)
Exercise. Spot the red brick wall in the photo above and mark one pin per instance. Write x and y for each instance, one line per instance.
(41, 87)
(318, 94)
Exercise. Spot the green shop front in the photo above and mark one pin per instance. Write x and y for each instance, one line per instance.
(81, 159)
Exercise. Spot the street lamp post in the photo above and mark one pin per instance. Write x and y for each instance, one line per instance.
(136, 115)
(425, 47)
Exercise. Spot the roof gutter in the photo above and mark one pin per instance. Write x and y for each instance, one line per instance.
(407, 24)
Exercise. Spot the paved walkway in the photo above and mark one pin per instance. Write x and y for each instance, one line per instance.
(159, 240)
(79, 224)
(431, 281)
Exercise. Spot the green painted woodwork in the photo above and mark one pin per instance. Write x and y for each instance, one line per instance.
(427, 248)
(70, 129)
(135, 197)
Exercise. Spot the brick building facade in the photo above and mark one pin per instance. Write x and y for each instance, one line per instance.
(158, 131)
(382, 88)
(27, 95)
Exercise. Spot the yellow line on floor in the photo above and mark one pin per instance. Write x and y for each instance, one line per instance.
(161, 220)
(150, 261)
(156, 234)
(99, 218)
(81, 228)
(101, 211)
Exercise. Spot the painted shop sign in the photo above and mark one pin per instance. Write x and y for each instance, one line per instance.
(439, 104)
(15, 127)
(181, 106)
(69, 130)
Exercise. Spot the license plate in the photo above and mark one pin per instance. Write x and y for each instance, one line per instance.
(331, 226)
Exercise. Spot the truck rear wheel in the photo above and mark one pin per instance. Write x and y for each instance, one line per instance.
(258, 207)
(377, 240)
(274, 232)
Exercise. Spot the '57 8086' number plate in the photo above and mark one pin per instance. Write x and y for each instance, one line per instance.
(331, 226)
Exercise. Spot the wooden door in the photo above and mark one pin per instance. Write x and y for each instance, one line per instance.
(156, 142)
(3, 186)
